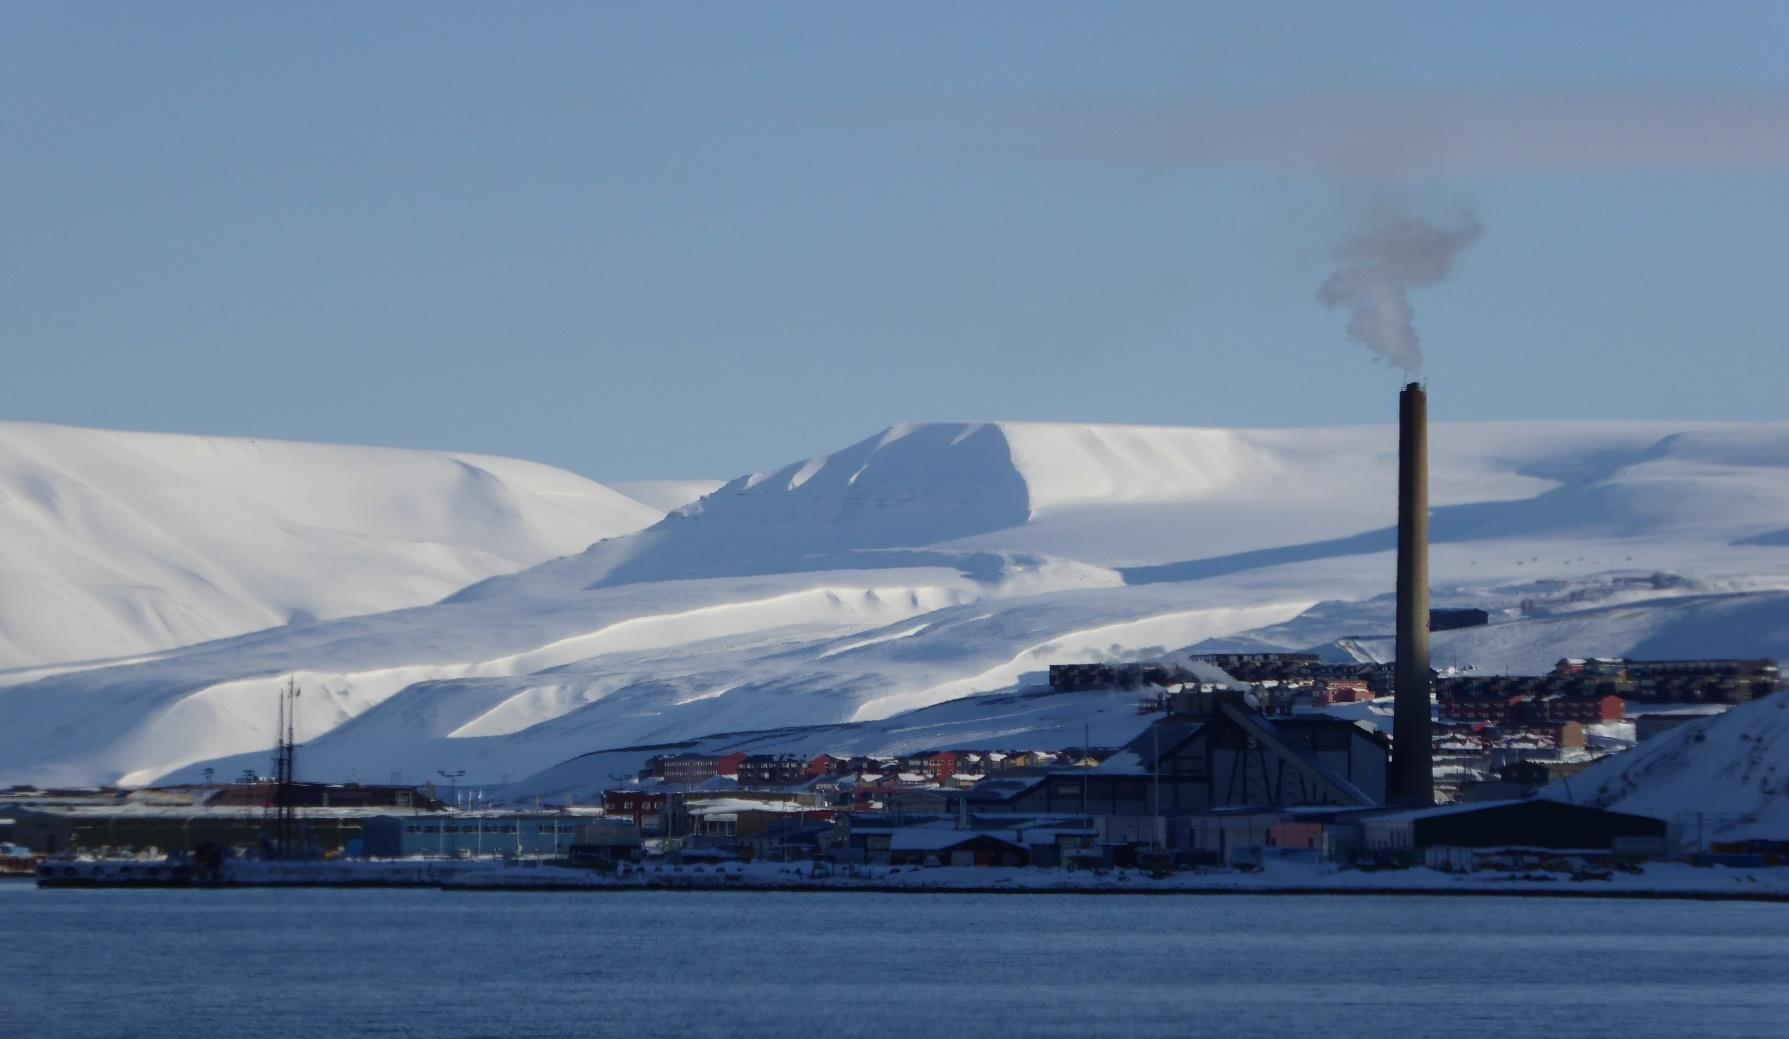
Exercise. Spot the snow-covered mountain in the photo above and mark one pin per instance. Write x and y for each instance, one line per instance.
(940, 560)
(115, 544)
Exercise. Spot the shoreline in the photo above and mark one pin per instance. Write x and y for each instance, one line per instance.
(1665, 880)
(1157, 892)
(513, 887)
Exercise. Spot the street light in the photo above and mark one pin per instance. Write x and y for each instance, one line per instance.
(453, 786)
(453, 796)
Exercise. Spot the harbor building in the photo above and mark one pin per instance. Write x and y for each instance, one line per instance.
(480, 834)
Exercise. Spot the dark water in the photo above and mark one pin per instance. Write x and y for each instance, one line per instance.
(426, 963)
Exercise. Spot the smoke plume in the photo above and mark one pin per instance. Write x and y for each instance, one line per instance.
(1379, 267)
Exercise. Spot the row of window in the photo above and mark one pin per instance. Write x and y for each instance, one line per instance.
(474, 828)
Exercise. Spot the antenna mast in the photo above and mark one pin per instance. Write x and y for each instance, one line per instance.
(285, 747)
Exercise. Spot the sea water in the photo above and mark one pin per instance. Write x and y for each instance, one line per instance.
(303, 963)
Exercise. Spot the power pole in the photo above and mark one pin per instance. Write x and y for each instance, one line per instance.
(1155, 775)
(1086, 739)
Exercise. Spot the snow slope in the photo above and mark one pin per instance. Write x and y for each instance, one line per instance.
(943, 560)
(1724, 778)
(115, 544)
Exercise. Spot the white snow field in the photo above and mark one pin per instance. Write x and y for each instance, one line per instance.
(116, 544)
(937, 561)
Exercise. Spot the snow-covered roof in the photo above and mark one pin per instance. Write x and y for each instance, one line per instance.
(736, 804)
(1413, 814)
(1125, 762)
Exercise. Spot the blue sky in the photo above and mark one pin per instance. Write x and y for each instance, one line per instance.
(649, 241)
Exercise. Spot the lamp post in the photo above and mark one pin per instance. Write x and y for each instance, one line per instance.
(453, 786)
(453, 797)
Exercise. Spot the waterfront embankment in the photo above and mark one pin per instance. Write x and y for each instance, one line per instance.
(1655, 880)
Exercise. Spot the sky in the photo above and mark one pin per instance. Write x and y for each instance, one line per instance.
(661, 241)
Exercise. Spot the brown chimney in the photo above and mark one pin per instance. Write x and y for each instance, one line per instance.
(1412, 763)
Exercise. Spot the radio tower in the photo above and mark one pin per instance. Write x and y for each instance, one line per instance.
(285, 821)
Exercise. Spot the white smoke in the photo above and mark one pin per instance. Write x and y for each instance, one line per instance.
(1378, 269)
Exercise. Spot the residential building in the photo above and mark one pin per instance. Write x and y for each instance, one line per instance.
(645, 809)
(770, 770)
(690, 769)
(1328, 691)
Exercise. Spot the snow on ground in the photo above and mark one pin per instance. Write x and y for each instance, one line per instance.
(944, 560)
(1728, 625)
(1722, 778)
(115, 544)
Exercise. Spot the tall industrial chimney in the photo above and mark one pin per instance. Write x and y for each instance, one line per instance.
(1412, 763)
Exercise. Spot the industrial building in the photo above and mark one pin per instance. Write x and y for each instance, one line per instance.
(1532, 823)
(1212, 752)
(139, 827)
(178, 818)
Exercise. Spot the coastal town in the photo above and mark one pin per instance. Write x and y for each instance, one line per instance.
(1227, 775)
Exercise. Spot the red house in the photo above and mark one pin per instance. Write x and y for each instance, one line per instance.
(647, 810)
(941, 765)
(1326, 691)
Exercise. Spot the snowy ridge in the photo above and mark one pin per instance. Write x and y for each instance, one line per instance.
(114, 544)
(944, 560)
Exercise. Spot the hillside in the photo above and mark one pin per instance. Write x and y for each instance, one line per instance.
(1724, 778)
(943, 560)
(116, 544)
